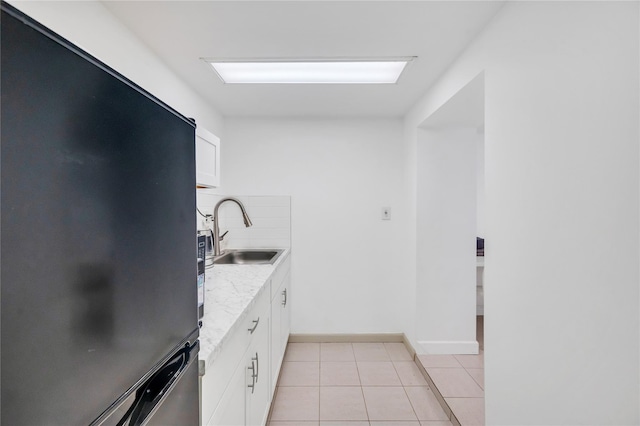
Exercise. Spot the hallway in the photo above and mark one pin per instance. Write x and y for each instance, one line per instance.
(353, 384)
(458, 380)
(378, 384)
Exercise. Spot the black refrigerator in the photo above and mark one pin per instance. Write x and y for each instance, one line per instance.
(98, 241)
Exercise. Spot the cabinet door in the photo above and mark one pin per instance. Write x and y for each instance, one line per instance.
(207, 158)
(280, 326)
(285, 313)
(231, 410)
(276, 340)
(259, 394)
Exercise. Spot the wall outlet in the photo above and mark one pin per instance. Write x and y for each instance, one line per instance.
(208, 222)
(386, 213)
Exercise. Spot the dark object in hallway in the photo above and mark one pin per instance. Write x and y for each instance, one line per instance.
(479, 246)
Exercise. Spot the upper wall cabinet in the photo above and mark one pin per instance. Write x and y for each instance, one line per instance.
(207, 158)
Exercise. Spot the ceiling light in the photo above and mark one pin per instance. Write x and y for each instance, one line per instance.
(342, 71)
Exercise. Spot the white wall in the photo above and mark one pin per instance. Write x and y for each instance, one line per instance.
(89, 25)
(347, 264)
(446, 235)
(562, 190)
(480, 217)
(561, 283)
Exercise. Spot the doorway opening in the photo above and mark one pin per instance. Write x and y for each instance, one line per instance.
(450, 270)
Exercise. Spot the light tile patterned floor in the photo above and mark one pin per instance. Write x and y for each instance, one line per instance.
(459, 380)
(353, 384)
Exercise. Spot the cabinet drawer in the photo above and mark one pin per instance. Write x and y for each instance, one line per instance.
(255, 320)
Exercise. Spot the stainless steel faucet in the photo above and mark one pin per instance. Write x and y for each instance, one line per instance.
(216, 228)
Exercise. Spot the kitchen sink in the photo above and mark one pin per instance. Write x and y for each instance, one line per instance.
(248, 257)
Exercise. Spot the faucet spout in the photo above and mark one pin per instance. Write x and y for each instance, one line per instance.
(247, 221)
(216, 228)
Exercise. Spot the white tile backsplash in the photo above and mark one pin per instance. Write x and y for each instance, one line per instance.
(268, 211)
(236, 222)
(270, 201)
(266, 233)
(272, 222)
(268, 243)
(270, 215)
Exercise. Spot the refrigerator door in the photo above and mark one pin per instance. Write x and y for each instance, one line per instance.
(97, 230)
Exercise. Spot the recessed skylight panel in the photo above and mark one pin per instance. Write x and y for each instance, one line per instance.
(309, 72)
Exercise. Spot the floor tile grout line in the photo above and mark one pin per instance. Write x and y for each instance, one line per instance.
(452, 413)
(319, 378)
(358, 371)
(474, 379)
(366, 408)
(470, 376)
(435, 390)
(415, 413)
(362, 390)
(400, 378)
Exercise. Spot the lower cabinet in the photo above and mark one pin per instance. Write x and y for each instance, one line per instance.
(258, 390)
(231, 409)
(238, 386)
(246, 400)
(285, 319)
(280, 324)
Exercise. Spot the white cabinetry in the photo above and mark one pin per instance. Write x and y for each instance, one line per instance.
(258, 393)
(280, 318)
(207, 158)
(225, 385)
(246, 399)
(238, 385)
(231, 409)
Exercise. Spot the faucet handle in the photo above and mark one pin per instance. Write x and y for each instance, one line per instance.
(222, 236)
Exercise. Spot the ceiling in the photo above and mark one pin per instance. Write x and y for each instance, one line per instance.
(183, 32)
(463, 109)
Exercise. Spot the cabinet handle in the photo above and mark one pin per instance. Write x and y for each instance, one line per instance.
(255, 325)
(284, 297)
(257, 367)
(253, 377)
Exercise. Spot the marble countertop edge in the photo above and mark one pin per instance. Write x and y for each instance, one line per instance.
(231, 292)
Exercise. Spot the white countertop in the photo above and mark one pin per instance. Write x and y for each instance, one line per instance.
(230, 291)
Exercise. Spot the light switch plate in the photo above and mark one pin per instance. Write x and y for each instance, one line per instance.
(386, 213)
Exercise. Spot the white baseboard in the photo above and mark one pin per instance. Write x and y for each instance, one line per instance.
(351, 338)
(434, 347)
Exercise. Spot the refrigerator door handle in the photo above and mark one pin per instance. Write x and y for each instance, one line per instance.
(153, 391)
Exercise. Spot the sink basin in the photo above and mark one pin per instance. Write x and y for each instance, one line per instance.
(248, 257)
